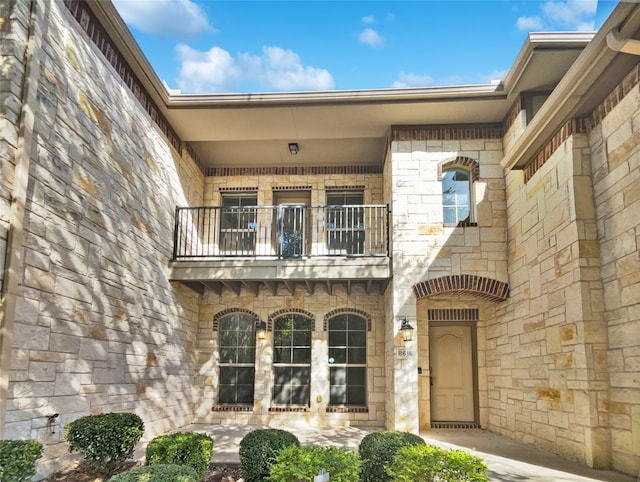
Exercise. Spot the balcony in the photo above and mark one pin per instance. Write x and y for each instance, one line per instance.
(231, 247)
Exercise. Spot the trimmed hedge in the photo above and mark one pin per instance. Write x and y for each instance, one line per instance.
(181, 448)
(377, 450)
(429, 463)
(18, 459)
(258, 451)
(296, 463)
(158, 473)
(105, 440)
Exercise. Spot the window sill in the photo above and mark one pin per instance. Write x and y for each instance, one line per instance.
(289, 409)
(461, 224)
(232, 408)
(341, 409)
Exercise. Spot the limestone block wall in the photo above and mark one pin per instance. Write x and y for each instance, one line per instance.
(424, 248)
(546, 348)
(13, 40)
(615, 143)
(98, 326)
(318, 304)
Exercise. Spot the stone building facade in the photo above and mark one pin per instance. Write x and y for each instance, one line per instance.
(508, 240)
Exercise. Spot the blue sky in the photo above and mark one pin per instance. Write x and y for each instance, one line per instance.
(273, 46)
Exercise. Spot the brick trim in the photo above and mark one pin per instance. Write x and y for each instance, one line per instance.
(291, 188)
(97, 34)
(339, 311)
(465, 163)
(232, 408)
(465, 284)
(286, 311)
(228, 311)
(446, 133)
(337, 409)
(629, 83)
(288, 409)
(573, 126)
(513, 113)
(453, 314)
(291, 170)
(345, 188)
(238, 189)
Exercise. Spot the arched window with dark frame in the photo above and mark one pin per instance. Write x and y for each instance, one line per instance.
(347, 360)
(292, 360)
(237, 349)
(456, 196)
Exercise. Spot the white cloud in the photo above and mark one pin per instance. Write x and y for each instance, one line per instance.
(369, 19)
(177, 18)
(561, 15)
(278, 69)
(370, 37)
(411, 80)
(529, 24)
(492, 76)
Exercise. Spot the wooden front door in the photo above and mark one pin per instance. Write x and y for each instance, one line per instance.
(452, 382)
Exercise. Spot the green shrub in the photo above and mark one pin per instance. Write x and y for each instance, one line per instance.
(158, 473)
(181, 448)
(18, 459)
(258, 450)
(377, 450)
(106, 440)
(297, 463)
(428, 463)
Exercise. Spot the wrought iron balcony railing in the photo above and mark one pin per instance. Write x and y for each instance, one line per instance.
(284, 231)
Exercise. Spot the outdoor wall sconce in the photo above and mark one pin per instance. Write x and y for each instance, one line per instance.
(261, 330)
(407, 330)
(293, 148)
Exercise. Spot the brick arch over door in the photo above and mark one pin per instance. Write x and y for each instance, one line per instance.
(467, 163)
(464, 284)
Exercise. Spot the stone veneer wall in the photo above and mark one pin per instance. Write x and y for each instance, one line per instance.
(423, 248)
(98, 325)
(14, 18)
(319, 303)
(615, 143)
(546, 350)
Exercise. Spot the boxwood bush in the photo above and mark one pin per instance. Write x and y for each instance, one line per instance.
(429, 463)
(377, 450)
(158, 473)
(105, 440)
(296, 463)
(18, 459)
(258, 450)
(181, 448)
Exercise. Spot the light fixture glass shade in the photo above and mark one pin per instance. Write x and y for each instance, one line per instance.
(261, 330)
(407, 330)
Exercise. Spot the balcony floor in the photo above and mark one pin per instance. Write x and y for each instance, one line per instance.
(217, 274)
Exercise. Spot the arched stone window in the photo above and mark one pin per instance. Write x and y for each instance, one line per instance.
(237, 348)
(347, 360)
(292, 360)
(456, 196)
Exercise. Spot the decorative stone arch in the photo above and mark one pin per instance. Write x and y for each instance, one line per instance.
(286, 311)
(228, 311)
(354, 311)
(464, 284)
(465, 163)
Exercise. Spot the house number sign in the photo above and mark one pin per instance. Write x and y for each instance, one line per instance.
(404, 353)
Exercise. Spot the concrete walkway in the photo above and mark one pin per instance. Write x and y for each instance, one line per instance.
(508, 461)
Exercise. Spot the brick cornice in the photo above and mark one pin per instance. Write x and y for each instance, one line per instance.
(446, 133)
(465, 284)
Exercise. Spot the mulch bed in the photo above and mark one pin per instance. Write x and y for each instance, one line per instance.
(79, 472)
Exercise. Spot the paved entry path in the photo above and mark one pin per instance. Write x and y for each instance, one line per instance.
(508, 461)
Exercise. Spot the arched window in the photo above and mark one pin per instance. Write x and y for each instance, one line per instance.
(291, 359)
(237, 347)
(456, 196)
(347, 360)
